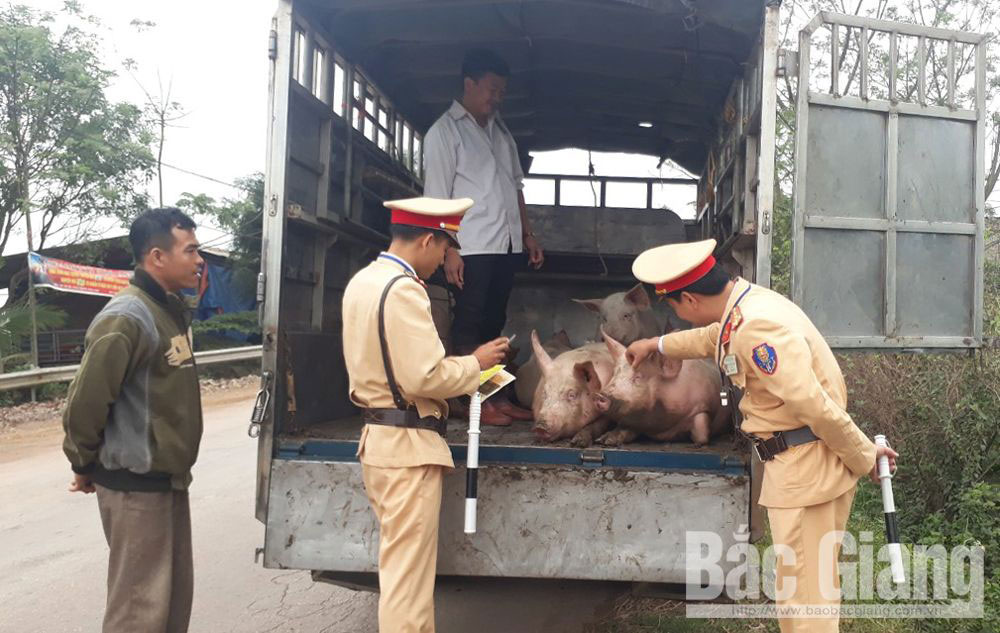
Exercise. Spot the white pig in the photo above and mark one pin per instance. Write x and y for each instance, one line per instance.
(627, 316)
(665, 399)
(530, 372)
(563, 404)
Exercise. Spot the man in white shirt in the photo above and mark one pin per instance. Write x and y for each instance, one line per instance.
(470, 153)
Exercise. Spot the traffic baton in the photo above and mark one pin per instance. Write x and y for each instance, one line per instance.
(472, 463)
(889, 507)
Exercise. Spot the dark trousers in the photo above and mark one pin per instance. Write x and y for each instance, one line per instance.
(481, 307)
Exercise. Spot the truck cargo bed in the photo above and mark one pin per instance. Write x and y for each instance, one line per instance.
(545, 510)
(337, 440)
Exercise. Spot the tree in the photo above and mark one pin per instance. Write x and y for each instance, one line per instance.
(15, 327)
(68, 155)
(160, 109)
(242, 219)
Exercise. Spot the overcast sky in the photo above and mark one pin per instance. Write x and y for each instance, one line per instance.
(212, 54)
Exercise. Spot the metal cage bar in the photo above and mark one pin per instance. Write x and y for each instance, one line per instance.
(901, 216)
(835, 60)
(893, 65)
(979, 182)
(891, 213)
(864, 63)
(922, 71)
(916, 30)
(801, 169)
(951, 74)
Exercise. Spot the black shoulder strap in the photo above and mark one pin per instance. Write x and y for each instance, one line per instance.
(397, 397)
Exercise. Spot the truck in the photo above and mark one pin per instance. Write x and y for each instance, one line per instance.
(888, 192)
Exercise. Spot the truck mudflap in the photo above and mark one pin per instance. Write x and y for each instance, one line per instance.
(595, 514)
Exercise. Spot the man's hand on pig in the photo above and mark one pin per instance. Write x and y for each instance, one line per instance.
(641, 350)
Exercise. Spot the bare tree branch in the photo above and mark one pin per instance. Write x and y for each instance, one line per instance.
(994, 170)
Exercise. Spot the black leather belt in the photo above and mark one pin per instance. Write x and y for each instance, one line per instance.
(408, 419)
(781, 441)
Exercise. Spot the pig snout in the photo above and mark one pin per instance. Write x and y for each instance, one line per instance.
(609, 404)
(602, 401)
(542, 430)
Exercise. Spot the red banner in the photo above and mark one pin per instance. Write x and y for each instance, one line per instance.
(70, 277)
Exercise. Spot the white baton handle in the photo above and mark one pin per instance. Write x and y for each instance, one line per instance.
(889, 507)
(472, 463)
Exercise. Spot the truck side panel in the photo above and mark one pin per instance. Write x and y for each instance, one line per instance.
(534, 521)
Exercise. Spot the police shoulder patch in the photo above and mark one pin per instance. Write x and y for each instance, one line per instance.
(766, 358)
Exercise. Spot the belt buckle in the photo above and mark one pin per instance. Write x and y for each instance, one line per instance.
(780, 444)
(762, 453)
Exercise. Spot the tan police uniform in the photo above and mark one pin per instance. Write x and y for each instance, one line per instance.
(771, 350)
(402, 456)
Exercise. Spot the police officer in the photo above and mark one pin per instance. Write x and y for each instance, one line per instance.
(793, 407)
(401, 378)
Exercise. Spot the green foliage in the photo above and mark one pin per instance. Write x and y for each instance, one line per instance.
(15, 323)
(65, 149)
(239, 322)
(242, 218)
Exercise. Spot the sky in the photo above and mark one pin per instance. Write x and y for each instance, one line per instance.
(212, 55)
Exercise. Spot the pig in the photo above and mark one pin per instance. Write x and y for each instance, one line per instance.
(563, 404)
(627, 316)
(664, 399)
(530, 373)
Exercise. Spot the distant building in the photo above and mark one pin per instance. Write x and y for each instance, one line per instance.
(65, 346)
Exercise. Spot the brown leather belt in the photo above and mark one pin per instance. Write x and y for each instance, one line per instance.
(408, 419)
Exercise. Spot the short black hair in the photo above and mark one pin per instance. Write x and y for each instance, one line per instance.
(713, 283)
(408, 233)
(153, 229)
(479, 61)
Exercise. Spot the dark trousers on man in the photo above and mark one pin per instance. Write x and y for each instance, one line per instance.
(151, 567)
(480, 311)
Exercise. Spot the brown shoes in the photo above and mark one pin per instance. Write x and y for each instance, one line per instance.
(492, 415)
(501, 412)
(513, 411)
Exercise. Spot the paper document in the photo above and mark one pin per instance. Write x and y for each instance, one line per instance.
(493, 380)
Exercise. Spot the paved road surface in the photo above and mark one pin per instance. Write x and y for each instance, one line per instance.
(53, 556)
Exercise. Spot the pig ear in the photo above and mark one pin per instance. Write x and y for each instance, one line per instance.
(562, 337)
(616, 348)
(637, 296)
(670, 367)
(544, 360)
(586, 372)
(594, 305)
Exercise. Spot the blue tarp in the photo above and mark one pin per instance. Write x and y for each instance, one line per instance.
(221, 297)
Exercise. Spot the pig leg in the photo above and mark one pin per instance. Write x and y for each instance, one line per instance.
(617, 437)
(585, 436)
(701, 429)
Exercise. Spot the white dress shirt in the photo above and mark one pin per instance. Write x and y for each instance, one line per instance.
(464, 159)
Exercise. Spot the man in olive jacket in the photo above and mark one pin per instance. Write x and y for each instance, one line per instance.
(133, 425)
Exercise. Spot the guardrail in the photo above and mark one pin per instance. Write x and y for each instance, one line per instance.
(36, 377)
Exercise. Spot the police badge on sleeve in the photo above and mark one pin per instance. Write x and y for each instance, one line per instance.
(766, 358)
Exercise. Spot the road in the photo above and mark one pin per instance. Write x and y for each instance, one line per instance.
(53, 557)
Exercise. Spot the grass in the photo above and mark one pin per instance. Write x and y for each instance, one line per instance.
(632, 614)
